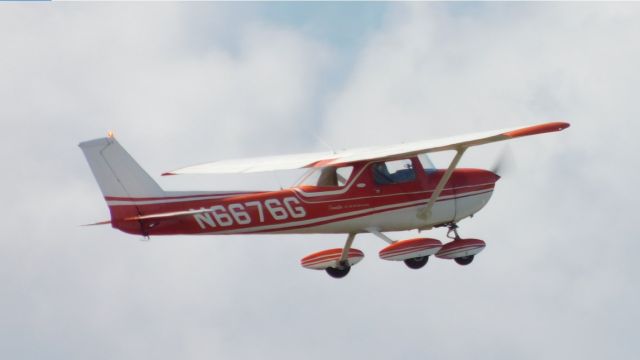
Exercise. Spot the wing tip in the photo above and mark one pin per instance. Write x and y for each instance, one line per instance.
(538, 129)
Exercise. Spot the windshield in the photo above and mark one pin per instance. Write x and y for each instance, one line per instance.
(427, 164)
(393, 172)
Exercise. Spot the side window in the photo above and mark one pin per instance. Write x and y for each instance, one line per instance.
(329, 176)
(344, 174)
(393, 172)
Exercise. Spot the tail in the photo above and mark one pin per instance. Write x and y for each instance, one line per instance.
(119, 176)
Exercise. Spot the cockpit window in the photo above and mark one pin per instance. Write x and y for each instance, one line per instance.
(328, 176)
(344, 174)
(393, 172)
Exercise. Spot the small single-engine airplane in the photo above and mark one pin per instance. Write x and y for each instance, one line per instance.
(368, 190)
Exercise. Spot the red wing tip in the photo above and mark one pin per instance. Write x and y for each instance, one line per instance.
(561, 125)
(538, 129)
(168, 174)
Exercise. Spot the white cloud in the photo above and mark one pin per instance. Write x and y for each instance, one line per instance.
(189, 83)
(551, 225)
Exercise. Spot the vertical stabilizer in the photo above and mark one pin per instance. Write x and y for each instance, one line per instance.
(116, 172)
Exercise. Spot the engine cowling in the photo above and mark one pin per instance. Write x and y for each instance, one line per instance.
(412, 248)
(461, 248)
(330, 258)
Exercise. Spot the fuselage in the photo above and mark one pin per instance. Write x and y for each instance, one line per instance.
(365, 200)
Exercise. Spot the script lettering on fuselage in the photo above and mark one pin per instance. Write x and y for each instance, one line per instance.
(225, 215)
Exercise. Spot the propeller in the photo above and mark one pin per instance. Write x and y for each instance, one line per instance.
(504, 163)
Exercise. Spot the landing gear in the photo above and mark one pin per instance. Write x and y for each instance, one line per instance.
(338, 273)
(453, 228)
(461, 250)
(336, 262)
(464, 260)
(413, 252)
(343, 267)
(416, 262)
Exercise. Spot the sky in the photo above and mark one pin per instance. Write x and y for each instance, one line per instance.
(183, 83)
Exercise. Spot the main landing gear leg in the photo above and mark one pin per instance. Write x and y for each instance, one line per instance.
(342, 267)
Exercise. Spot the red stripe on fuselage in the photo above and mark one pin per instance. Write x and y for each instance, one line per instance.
(316, 214)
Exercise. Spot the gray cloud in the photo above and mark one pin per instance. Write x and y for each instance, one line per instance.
(187, 83)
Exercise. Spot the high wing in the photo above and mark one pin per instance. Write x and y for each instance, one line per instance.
(308, 160)
(257, 164)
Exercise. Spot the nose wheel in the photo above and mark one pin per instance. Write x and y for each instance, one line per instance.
(461, 250)
(464, 260)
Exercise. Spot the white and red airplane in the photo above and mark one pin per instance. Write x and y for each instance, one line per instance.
(368, 190)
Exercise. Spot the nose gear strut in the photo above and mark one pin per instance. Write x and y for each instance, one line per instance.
(453, 228)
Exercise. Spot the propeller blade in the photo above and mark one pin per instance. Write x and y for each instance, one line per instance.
(504, 162)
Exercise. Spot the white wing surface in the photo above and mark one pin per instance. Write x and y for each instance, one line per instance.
(248, 165)
(308, 160)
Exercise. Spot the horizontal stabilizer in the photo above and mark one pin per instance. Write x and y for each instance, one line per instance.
(167, 215)
(106, 222)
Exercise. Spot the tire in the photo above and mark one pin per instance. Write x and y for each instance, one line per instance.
(464, 260)
(338, 273)
(417, 262)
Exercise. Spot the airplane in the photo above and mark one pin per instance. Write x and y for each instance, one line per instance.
(367, 190)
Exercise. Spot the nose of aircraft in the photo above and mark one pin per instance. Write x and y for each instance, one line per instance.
(476, 177)
(486, 176)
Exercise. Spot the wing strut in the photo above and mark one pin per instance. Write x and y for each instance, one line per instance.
(425, 213)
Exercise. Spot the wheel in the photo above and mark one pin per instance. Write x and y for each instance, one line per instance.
(338, 273)
(416, 262)
(464, 260)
